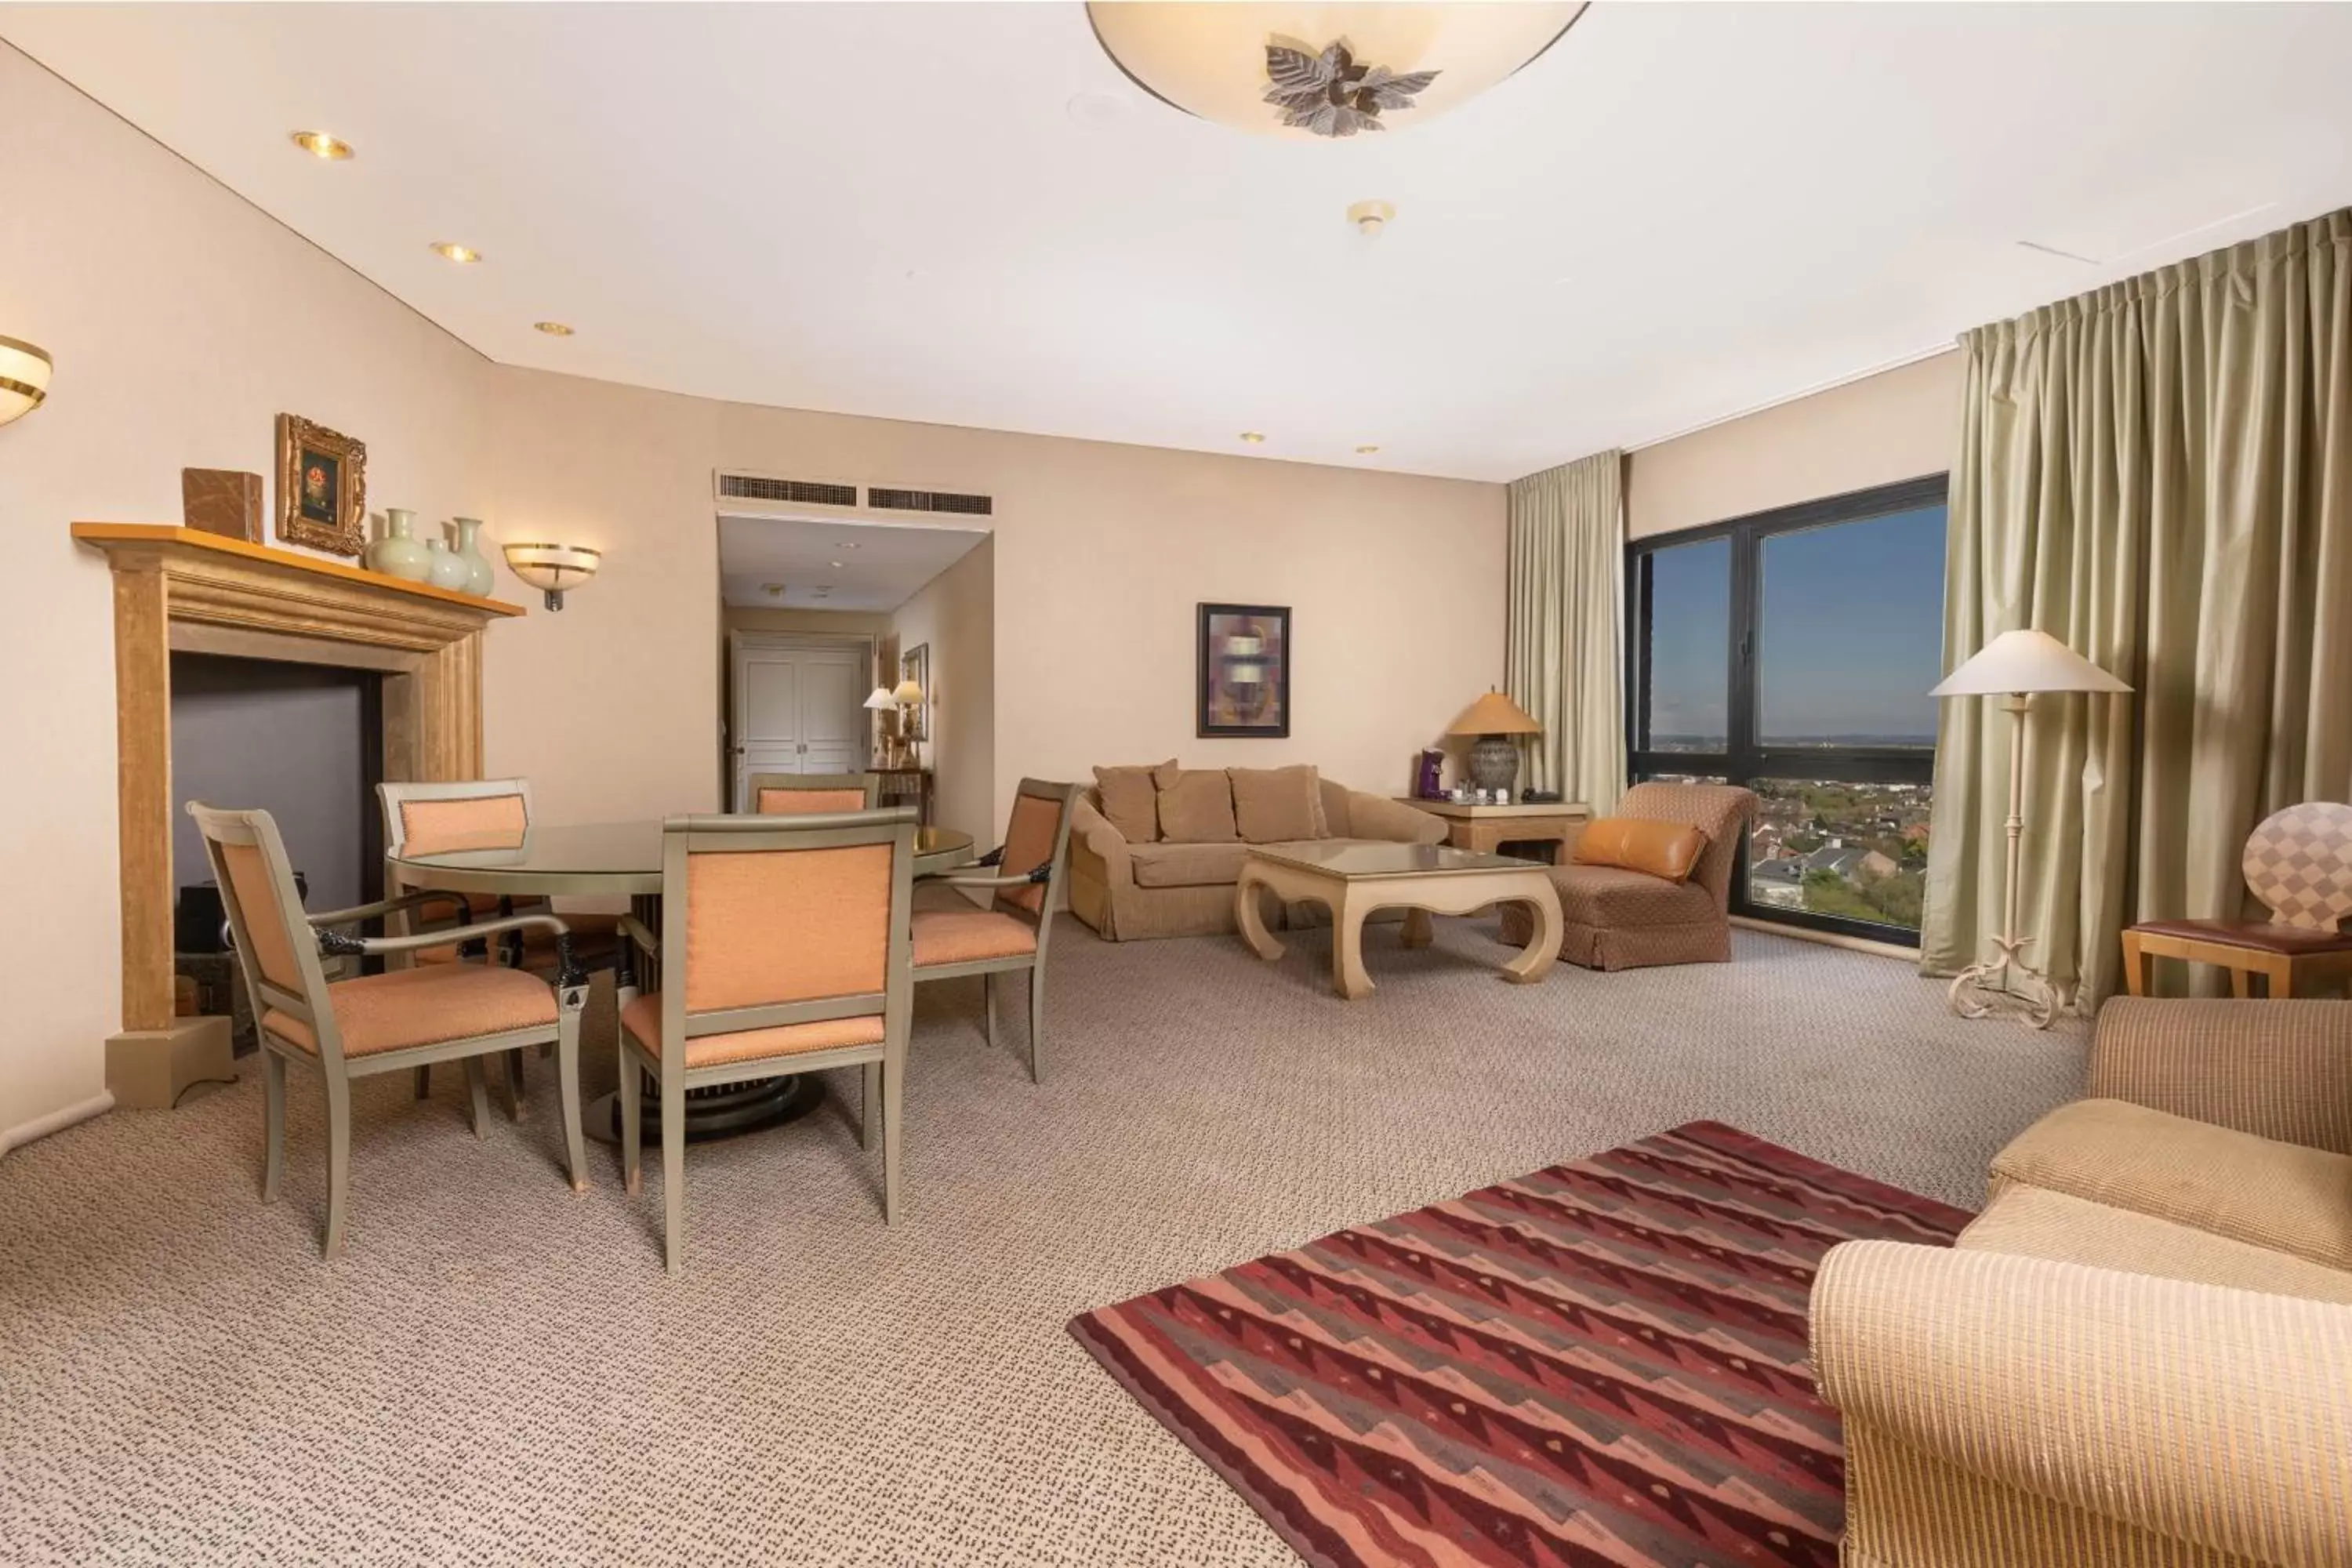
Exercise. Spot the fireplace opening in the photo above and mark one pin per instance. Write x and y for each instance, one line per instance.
(305, 743)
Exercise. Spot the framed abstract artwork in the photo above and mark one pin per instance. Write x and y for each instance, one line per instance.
(321, 487)
(1244, 670)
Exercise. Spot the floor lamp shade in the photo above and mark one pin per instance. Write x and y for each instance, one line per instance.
(2014, 666)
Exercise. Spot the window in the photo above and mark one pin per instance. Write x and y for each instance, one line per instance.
(1791, 652)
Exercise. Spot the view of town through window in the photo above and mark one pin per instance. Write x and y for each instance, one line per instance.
(1792, 654)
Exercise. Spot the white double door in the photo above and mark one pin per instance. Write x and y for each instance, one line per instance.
(799, 707)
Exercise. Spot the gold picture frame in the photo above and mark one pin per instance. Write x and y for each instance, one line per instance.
(915, 665)
(321, 487)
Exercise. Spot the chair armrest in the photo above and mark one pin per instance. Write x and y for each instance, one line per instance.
(1977, 1388)
(335, 944)
(1377, 816)
(377, 910)
(636, 931)
(1091, 828)
(2276, 1070)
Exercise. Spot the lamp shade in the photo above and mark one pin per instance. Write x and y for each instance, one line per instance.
(1494, 714)
(909, 690)
(553, 568)
(880, 698)
(1213, 59)
(2025, 660)
(24, 378)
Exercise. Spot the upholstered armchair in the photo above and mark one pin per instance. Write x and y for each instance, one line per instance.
(784, 949)
(1617, 918)
(394, 1022)
(955, 940)
(787, 794)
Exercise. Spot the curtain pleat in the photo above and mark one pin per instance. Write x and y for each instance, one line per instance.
(1566, 602)
(2160, 474)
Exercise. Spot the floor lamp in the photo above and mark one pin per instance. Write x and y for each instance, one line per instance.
(2014, 666)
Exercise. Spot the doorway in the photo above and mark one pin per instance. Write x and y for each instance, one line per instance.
(798, 705)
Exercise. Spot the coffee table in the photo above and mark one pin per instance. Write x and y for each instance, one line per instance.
(1353, 880)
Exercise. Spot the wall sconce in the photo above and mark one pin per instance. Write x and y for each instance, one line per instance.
(555, 569)
(24, 378)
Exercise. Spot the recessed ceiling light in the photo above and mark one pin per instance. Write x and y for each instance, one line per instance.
(552, 329)
(1371, 218)
(846, 544)
(834, 564)
(450, 250)
(318, 144)
(771, 587)
(1367, 451)
(1254, 437)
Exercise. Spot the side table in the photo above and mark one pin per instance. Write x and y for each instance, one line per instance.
(1484, 829)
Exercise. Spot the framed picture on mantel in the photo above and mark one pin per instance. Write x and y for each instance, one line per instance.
(1244, 670)
(321, 487)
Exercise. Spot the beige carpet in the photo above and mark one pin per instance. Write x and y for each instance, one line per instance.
(498, 1371)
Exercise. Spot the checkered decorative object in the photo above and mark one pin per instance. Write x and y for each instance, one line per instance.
(2299, 863)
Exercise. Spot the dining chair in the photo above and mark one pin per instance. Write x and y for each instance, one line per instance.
(783, 949)
(1024, 878)
(393, 1022)
(789, 794)
(2298, 866)
(485, 814)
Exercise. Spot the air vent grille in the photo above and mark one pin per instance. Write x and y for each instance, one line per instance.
(796, 492)
(928, 500)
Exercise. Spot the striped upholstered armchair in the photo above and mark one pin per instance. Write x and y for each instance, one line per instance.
(2141, 1352)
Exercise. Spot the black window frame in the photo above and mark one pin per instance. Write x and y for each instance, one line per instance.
(1745, 758)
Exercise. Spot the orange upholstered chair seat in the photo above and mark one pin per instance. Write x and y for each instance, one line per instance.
(406, 1008)
(643, 1018)
(960, 936)
(809, 802)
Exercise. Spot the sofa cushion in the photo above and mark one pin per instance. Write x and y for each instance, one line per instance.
(2279, 1195)
(2032, 1222)
(1130, 799)
(1278, 805)
(1196, 806)
(1667, 849)
(1171, 865)
(1612, 896)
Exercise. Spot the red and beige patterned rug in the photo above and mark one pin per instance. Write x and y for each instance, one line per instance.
(1601, 1365)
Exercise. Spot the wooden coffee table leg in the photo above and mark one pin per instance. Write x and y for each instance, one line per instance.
(1418, 928)
(1247, 917)
(1543, 947)
(1348, 908)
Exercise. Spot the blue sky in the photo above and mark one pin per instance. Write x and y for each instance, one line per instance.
(1851, 639)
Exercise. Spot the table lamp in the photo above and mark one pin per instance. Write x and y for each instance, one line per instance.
(2014, 666)
(879, 702)
(1495, 758)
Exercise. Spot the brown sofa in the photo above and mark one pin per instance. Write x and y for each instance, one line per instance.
(2141, 1352)
(1128, 890)
(1615, 918)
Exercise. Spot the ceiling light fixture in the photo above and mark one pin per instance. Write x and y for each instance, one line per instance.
(1366, 451)
(552, 329)
(318, 144)
(1241, 65)
(846, 544)
(834, 564)
(1254, 437)
(450, 250)
(24, 378)
(1371, 218)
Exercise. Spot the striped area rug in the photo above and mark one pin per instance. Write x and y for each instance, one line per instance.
(1602, 1363)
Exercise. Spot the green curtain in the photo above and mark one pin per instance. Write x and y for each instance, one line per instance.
(2160, 474)
(1563, 644)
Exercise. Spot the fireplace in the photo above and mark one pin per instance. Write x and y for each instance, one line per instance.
(177, 591)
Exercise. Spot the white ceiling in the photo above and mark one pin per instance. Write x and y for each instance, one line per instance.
(965, 214)
(833, 565)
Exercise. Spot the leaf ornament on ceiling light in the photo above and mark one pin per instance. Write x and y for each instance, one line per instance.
(1328, 93)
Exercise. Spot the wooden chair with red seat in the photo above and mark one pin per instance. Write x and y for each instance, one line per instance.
(789, 794)
(2298, 863)
(485, 814)
(955, 938)
(784, 950)
(394, 1022)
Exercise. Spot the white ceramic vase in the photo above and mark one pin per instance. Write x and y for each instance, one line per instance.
(399, 553)
(447, 571)
(479, 578)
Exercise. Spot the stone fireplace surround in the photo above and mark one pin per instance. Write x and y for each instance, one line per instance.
(177, 589)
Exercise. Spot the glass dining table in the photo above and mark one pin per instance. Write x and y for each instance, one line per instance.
(624, 859)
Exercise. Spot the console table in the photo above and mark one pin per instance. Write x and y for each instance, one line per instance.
(1484, 829)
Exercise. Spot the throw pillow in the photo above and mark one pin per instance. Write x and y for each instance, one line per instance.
(1130, 800)
(1196, 807)
(1667, 849)
(1276, 806)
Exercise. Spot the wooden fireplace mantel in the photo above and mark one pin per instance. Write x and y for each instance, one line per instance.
(178, 589)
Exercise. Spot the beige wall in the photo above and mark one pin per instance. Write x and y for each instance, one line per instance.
(1896, 425)
(184, 321)
(822, 622)
(954, 615)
